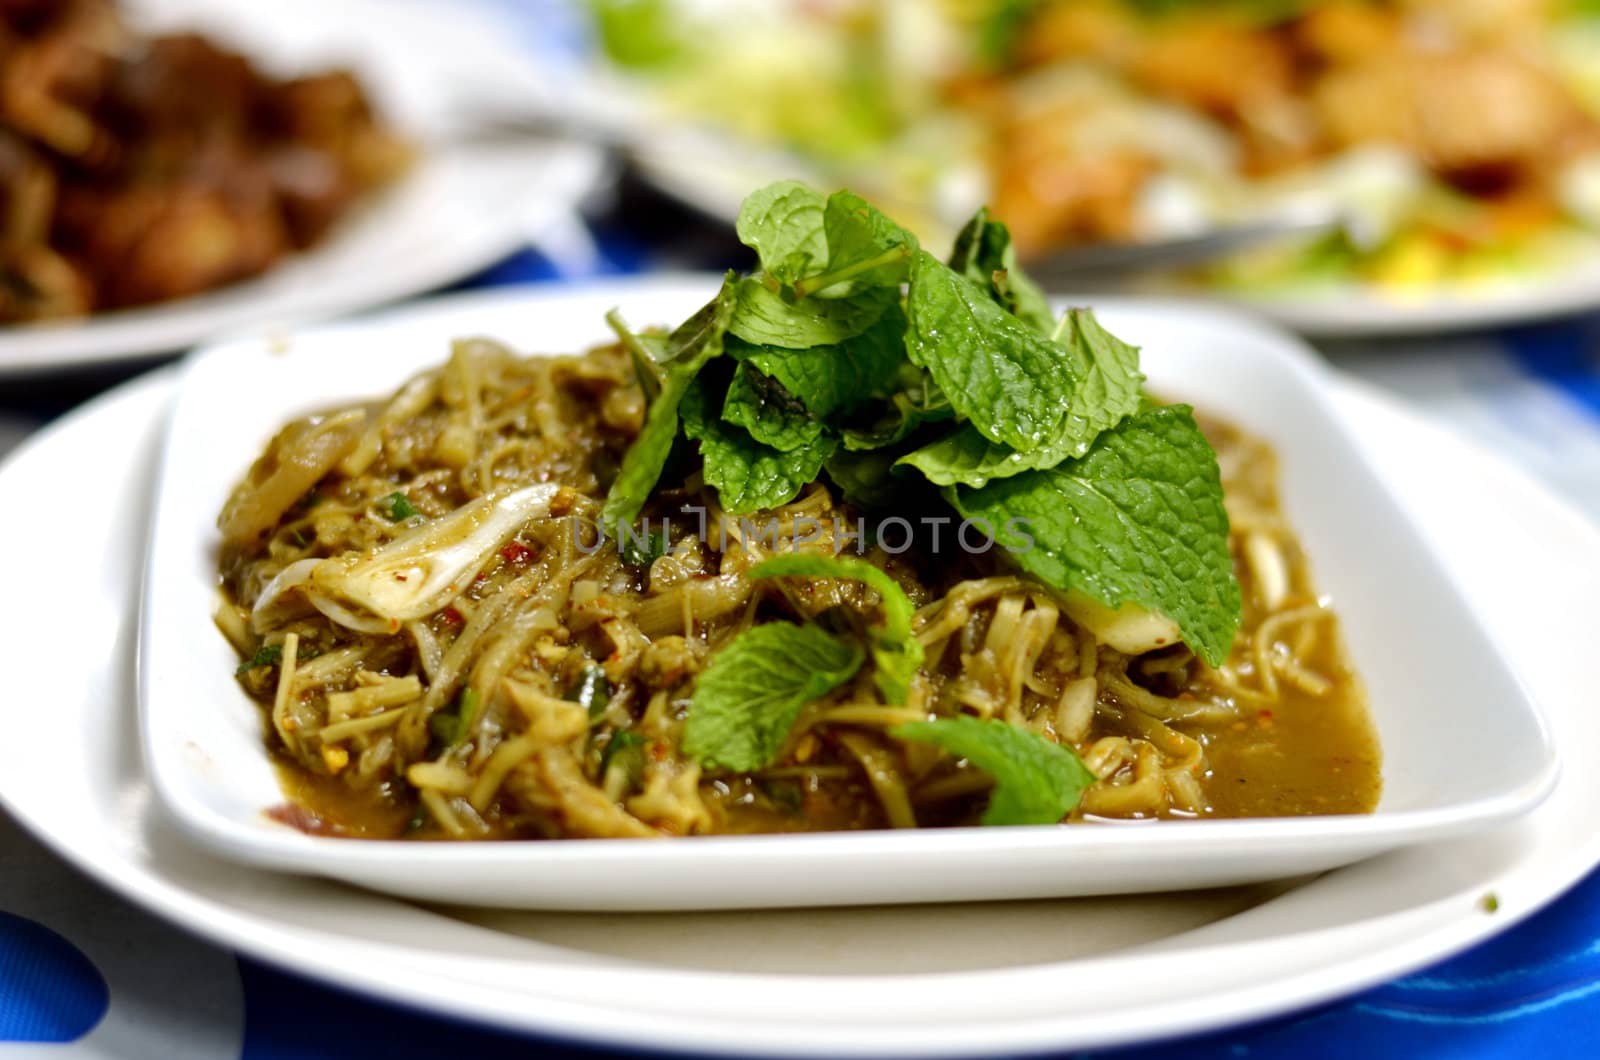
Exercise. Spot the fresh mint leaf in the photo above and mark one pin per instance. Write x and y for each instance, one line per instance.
(1007, 379)
(764, 317)
(865, 478)
(746, 474)
(920, 402)
(783, 224)
(698, 340)
(895, 652)
(645, 350)
(746, 701)
(983, 254)
(773, 416)
(835, 378)
(1107, 390)
(1035, 781)
(1139, 518)
(865, 248)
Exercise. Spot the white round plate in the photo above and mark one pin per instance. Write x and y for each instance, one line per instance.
(973, 979)
(462, 206)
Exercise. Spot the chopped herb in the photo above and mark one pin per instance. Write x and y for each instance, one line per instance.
(396, 508)
(452, 727)
(1490, 902)
(642, 547)
(266, 655)
(625, 750)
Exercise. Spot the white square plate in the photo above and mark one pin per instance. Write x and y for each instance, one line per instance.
(1463, 745)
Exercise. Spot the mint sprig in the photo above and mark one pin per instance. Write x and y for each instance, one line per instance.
(747, 700)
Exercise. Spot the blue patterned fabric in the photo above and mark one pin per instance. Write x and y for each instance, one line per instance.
(49, 991)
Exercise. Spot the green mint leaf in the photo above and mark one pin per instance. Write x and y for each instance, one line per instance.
(698, 340)
(764, 317)
(746, 474)
(983, 254)
(783, 224)
(896, 654)
(865, 478)
(1106, 391)
(266, 655)
(1010, 381)
(865, 248)
(747, 700)
(396, 508)
(1035, 781)
(645, 350)
(838, 377)
(773, 416)
(1139, 518)
(921, 402)
(701, 337)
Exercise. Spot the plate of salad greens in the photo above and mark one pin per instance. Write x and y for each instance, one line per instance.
(1459, 151)
(460, 623)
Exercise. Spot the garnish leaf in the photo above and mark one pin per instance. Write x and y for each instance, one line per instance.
(834, 378)
(783, 224)
(772, 415)
(920, 402)
(895, 652)
(1000, 374)
(1139, 518)
(864, 247)
(747, 700)
(983, 253)
(1107, 370)
(1035, 781)
(764, 317)
(865, 478)
(747, 474)
(697, 341)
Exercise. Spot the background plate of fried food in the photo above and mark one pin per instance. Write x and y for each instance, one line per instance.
(177, 169)
(1455, 147)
